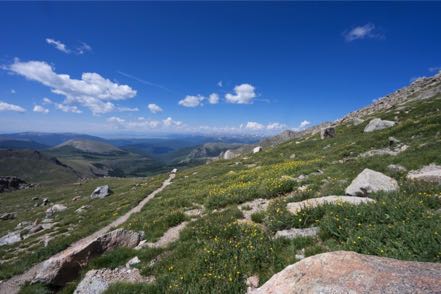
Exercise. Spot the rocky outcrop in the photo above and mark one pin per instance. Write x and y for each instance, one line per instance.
(229, 154)
(8, 215)
(295, 207)
(8, 184)
(63, 268)
(101, 192)
(378, 124)
(296, 233)
(10, 238)
(250, 207)
(370, 181)
(97, 281)
(429, 173)
(357, 121)
(396, 168)
(384, 151)
(350, 272)
(56, 208)
(327, 133)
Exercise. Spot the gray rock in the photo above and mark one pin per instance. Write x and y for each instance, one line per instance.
(357, 121)
(56, 208)
(45, 201)
(229, 155)
(82, 209)
(350, 272)
(10, 238)
(134, 261)
(101, 192)
(377, 124)
(8, 183)
(384, 151)
(97, 281)
(396, 168)
(393, 141)
(295, 207)
(327, 133)
(35, 229)
(295, 233)
(8, 215)
(370, 181)
(429, 173)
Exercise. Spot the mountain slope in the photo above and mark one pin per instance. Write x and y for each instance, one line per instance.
(89, 146)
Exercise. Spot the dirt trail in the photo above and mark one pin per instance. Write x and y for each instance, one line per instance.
(14, 284)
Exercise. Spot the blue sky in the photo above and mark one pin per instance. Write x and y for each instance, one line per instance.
(205, 67)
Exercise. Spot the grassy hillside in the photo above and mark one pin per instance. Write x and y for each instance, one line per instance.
(217, 252)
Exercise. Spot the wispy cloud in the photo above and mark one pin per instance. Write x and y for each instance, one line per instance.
(92, 90)
(4, 106)
(144, 81)
(154, 108)
(40, 109)
(367, 31)
(59, 45)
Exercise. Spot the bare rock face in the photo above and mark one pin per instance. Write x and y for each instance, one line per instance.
(101, 192)
(370, 181)
(327, 133)
(63, 268)
(296, 233)
(377, 124)
(350, 272)
(429, 173)
(97, 281)
(295, 207)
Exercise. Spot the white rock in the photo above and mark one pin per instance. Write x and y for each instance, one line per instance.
(55, 209)
(295, 207)
(134, 261)
(396, 168)
(100, 192)
(429, 173)
(257, 149)
(10, 238)
(378, 124)
(296, 233)
(370, 181)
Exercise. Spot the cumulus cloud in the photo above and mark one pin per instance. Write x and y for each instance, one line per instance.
(58, 45)
(255, 126)
(304, 124)
(367, 31)
(92, 90)
(168, 122)
(47, 100)
(67, 108)
(142, 124)
(275, 126)
(244, 94)
(213, 98)
(252, 125)
(41, 109)
(11, 107)
(191, 101)
(154, 108)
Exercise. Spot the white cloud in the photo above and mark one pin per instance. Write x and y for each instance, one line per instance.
(47, 101)
(255, 126)
(41, 109)
(213, 98)
(168, 122)
(366, 31)
(154, 108)
(115, 119)
(304, 124)
(58, 45)
(275, 126)
(83, 48)
(128, 109)
(91, 91)
(244, 94)
(10, 107)
(191, 101)
(67, 108)
(13, 91)
(220, 84)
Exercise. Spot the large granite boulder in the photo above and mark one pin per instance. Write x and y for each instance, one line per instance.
(101, 192)
(350, 272)
(10, 238)
(370, 181)
(327, 133)
(295, 207)
(377, 124)
(429, 173)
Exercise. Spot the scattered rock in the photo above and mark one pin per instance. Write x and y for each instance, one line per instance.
(292, 156)
(252, 283)
(250, 207)
(8, 184)
(257, 149)
(393, 141)
(169, 237)
(377, 124)
(55, 209)
(82, 209)
(229, 155)
(193, 213)
(384, 151)
(396, 168)
(10, 238)
(76, 198)
(295, 233)
(295, 207)
(370, 181)
(357, 121)
(327, 133)
(8, 215)
(134, 261)
(429, 173)
(35, 198)
(300, 254)
(175, 170)
(35, 229)
(350, 272)
(45, 201)
(101, 192)
(97, 281)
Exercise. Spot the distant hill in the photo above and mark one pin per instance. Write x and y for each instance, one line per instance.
(48, 139)
(89, 146)
(35, 167)
(21, 144)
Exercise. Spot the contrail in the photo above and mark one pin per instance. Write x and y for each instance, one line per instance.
(145, 82)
